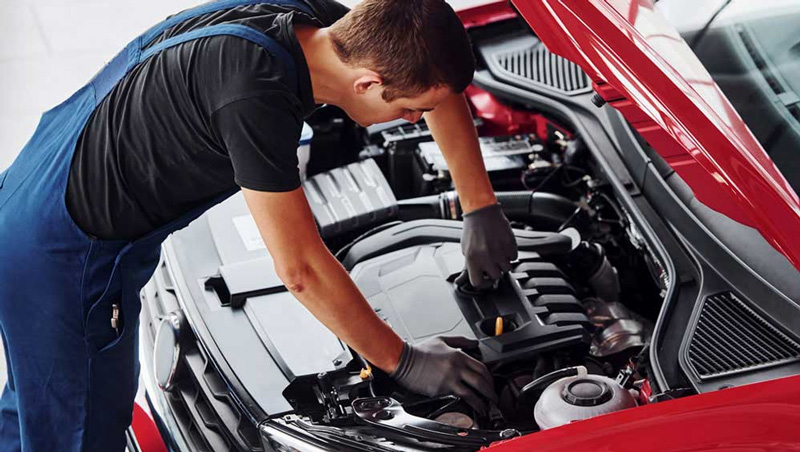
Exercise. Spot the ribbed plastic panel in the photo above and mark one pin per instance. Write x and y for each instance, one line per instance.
(731, 338)
(525, 60)
(538, 65)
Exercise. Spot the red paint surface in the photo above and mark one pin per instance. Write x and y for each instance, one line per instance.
(479, 16)
(146, 432)
(644, 69)
(500, 119)
(762, 417)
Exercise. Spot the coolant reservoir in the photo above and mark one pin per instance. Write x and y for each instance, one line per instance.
(580, 397)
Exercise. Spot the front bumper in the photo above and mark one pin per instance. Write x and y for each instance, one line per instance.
(202, 412)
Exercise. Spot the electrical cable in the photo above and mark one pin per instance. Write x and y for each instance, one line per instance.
(703, 31)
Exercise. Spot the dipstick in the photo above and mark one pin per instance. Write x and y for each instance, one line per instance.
(498, 326)
(366, 373)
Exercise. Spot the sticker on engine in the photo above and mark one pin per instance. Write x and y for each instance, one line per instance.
(248, 232)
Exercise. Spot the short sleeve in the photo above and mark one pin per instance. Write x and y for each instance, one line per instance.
(260, 134)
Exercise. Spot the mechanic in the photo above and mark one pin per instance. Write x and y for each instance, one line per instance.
(204, 104)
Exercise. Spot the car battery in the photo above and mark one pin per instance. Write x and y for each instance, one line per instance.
(505, 158)
(349, 198)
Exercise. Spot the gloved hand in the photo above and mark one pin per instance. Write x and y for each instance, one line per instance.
(488, 245)
(436, 367)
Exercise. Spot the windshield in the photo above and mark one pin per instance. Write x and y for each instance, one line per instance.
(752, 50)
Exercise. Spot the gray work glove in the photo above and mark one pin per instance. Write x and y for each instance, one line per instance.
(437, 367)
(488, 245)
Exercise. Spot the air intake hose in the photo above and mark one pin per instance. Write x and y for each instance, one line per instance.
(544, 210)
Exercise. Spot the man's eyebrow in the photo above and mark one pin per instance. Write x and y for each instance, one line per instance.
(423, 110)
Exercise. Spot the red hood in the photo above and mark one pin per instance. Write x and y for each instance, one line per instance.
(642, 67)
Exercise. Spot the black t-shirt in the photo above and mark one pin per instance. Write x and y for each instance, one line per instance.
(193, 122)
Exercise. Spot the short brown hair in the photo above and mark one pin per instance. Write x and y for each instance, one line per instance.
(414, 45)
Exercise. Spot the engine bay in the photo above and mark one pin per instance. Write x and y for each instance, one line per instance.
(564, 333)
(608, 306)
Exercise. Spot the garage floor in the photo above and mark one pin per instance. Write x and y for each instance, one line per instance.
(50, 48)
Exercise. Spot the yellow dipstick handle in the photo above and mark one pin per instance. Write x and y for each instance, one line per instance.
(366, 373)
(498, 326)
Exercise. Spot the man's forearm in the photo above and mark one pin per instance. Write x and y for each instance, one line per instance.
(317, 279)
(454, 131)
(326, 290)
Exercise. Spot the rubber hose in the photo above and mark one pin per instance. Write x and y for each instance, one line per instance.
(538, 385)
(541, 209)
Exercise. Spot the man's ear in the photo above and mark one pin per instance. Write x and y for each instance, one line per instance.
(366, 81)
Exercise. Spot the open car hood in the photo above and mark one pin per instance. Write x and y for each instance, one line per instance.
(641, 66)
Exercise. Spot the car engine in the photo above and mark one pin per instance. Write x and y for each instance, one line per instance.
(564, 333)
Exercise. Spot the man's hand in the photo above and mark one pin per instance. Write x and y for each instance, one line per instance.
(488, 245)
(487, 241)
(437, 367)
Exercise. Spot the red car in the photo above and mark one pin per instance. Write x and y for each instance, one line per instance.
(652, 180)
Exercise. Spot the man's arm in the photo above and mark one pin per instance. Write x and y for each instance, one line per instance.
(319, 281)
(454, 131)
(487, 241)
(314, 276)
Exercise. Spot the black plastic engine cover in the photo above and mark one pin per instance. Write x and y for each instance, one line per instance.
(412, 289)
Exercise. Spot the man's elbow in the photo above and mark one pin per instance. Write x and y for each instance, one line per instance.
(297, 276)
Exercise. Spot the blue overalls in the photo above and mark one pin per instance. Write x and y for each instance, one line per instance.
(72, 375)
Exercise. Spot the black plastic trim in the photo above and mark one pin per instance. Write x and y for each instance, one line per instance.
(533, 66)
(761, 339)
(238, 392)
(718, 268)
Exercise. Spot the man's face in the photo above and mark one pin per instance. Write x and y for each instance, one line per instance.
(368, 107)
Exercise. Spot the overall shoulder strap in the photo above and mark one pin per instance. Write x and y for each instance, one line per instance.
(211, 7)
(240, 31)
(128, 58)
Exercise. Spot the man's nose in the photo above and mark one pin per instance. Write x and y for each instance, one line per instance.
(415, 117)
